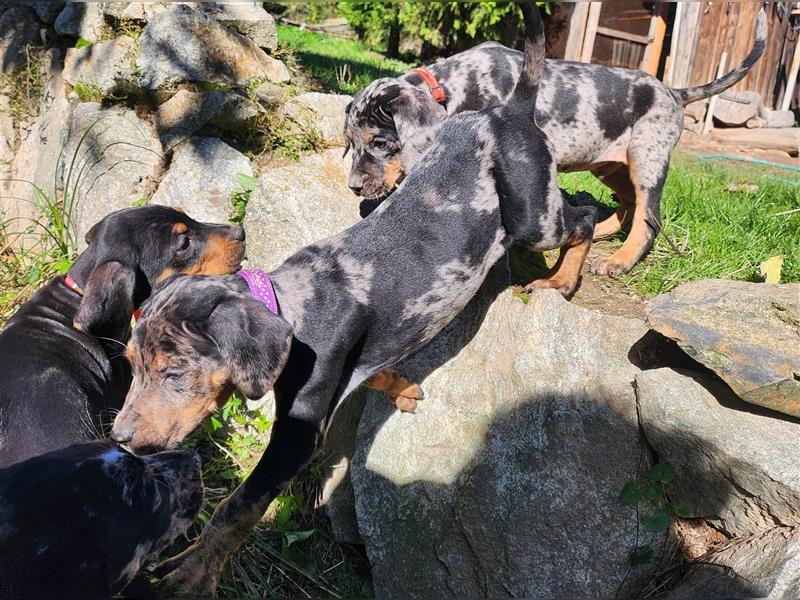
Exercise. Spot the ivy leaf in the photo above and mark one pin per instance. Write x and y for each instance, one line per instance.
(684, 509)
(248, 182)
(297, 536)
(641, 556)
(663, 472)
(62, 266)
(658, 521)
(83, 42)
(631, 494)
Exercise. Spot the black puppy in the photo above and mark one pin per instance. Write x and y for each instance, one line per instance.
(80, 522)
(350, 305)
(61, 354)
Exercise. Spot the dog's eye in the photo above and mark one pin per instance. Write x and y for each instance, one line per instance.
(171, 375)
(183, 242)
(379, 142)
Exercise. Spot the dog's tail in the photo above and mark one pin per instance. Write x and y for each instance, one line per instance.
(523, 98)
(687, 95)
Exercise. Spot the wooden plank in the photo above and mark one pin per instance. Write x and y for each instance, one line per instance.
(689, 30)
(577, 30)
(785, 139)
(591, 31)
(793, 70)
(673, 46)
(623, 35)
(658, 30)
(708, 125)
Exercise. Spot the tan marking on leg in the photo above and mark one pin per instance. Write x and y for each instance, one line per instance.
(637, 242)
(619, 182)
(402, 392)
(566, 273)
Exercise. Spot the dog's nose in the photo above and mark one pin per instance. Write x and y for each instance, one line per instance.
(238, 233)
(122, 435)
(356, 189)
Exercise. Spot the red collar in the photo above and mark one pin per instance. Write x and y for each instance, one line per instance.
(73, 285)
(436, 90)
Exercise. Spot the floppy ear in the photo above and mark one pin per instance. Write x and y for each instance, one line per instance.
(344, 133)
(254, 343)
(107, 303)
(413, 111)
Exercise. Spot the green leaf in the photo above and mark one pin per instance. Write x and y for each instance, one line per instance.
(216, 424)
(631, 494)
(770, 269)
(683, 509)
(297, 536)
(641, 556)
(83, 42)
(62, 266)
(663, 472)
(658, 521)
(248, 182)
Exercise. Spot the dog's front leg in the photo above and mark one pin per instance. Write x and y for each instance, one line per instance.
(402, 392)
(196, 571)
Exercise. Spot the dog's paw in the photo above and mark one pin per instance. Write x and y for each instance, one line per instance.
(565, 288)
(610, 266)
(406, 403)
(188, 575)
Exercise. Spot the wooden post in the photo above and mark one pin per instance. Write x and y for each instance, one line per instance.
(682, 63)
(709, 124)
(577, 29)
(658, 30)
(673, 46)
(591, 31)
(793, 70)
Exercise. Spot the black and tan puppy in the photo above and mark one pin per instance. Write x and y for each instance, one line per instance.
(80, 522)
(349, 306)
(619, 124)
(61, 354)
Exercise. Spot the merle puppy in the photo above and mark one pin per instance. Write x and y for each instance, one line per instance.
(347, 307)
(61, 354)
(619, 124)
(80, 522)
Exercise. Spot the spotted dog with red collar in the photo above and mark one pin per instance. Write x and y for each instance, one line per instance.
(62, 364)
(619, 124)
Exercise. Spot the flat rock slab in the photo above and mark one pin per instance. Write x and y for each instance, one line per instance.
(203, 175)
(505, 480)
(187, 112)
(765, 565)
(103, 65)
(324, 112)
(110, 159)
(736, 464)
(182, 44)
(81, 20)
(246, 18)
(747, 333)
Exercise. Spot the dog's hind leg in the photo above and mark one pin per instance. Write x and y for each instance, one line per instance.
(402, 392)
(566, 273)
(619, 181)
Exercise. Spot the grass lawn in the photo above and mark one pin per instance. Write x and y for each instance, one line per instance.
(714, 224)
(337, 65)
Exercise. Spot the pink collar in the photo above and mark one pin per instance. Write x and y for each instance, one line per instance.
(261, 288)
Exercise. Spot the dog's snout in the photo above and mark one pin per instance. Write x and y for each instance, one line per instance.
(237, 233)
(122, 434)
(356, 188)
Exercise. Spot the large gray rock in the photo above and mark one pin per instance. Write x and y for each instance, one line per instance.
(297, 204)
(246, 18)
(82, 20)
(765, 565)
(111, 167)
(323, 112)
(35, 162)
(187, 112)
(105, 66)
(505, 481)
(203, 174)
(736, 464)
(182, 44)
(747, 333)
(18, 28)
(47, 11)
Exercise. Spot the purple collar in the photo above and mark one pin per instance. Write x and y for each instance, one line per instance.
(261, 288)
